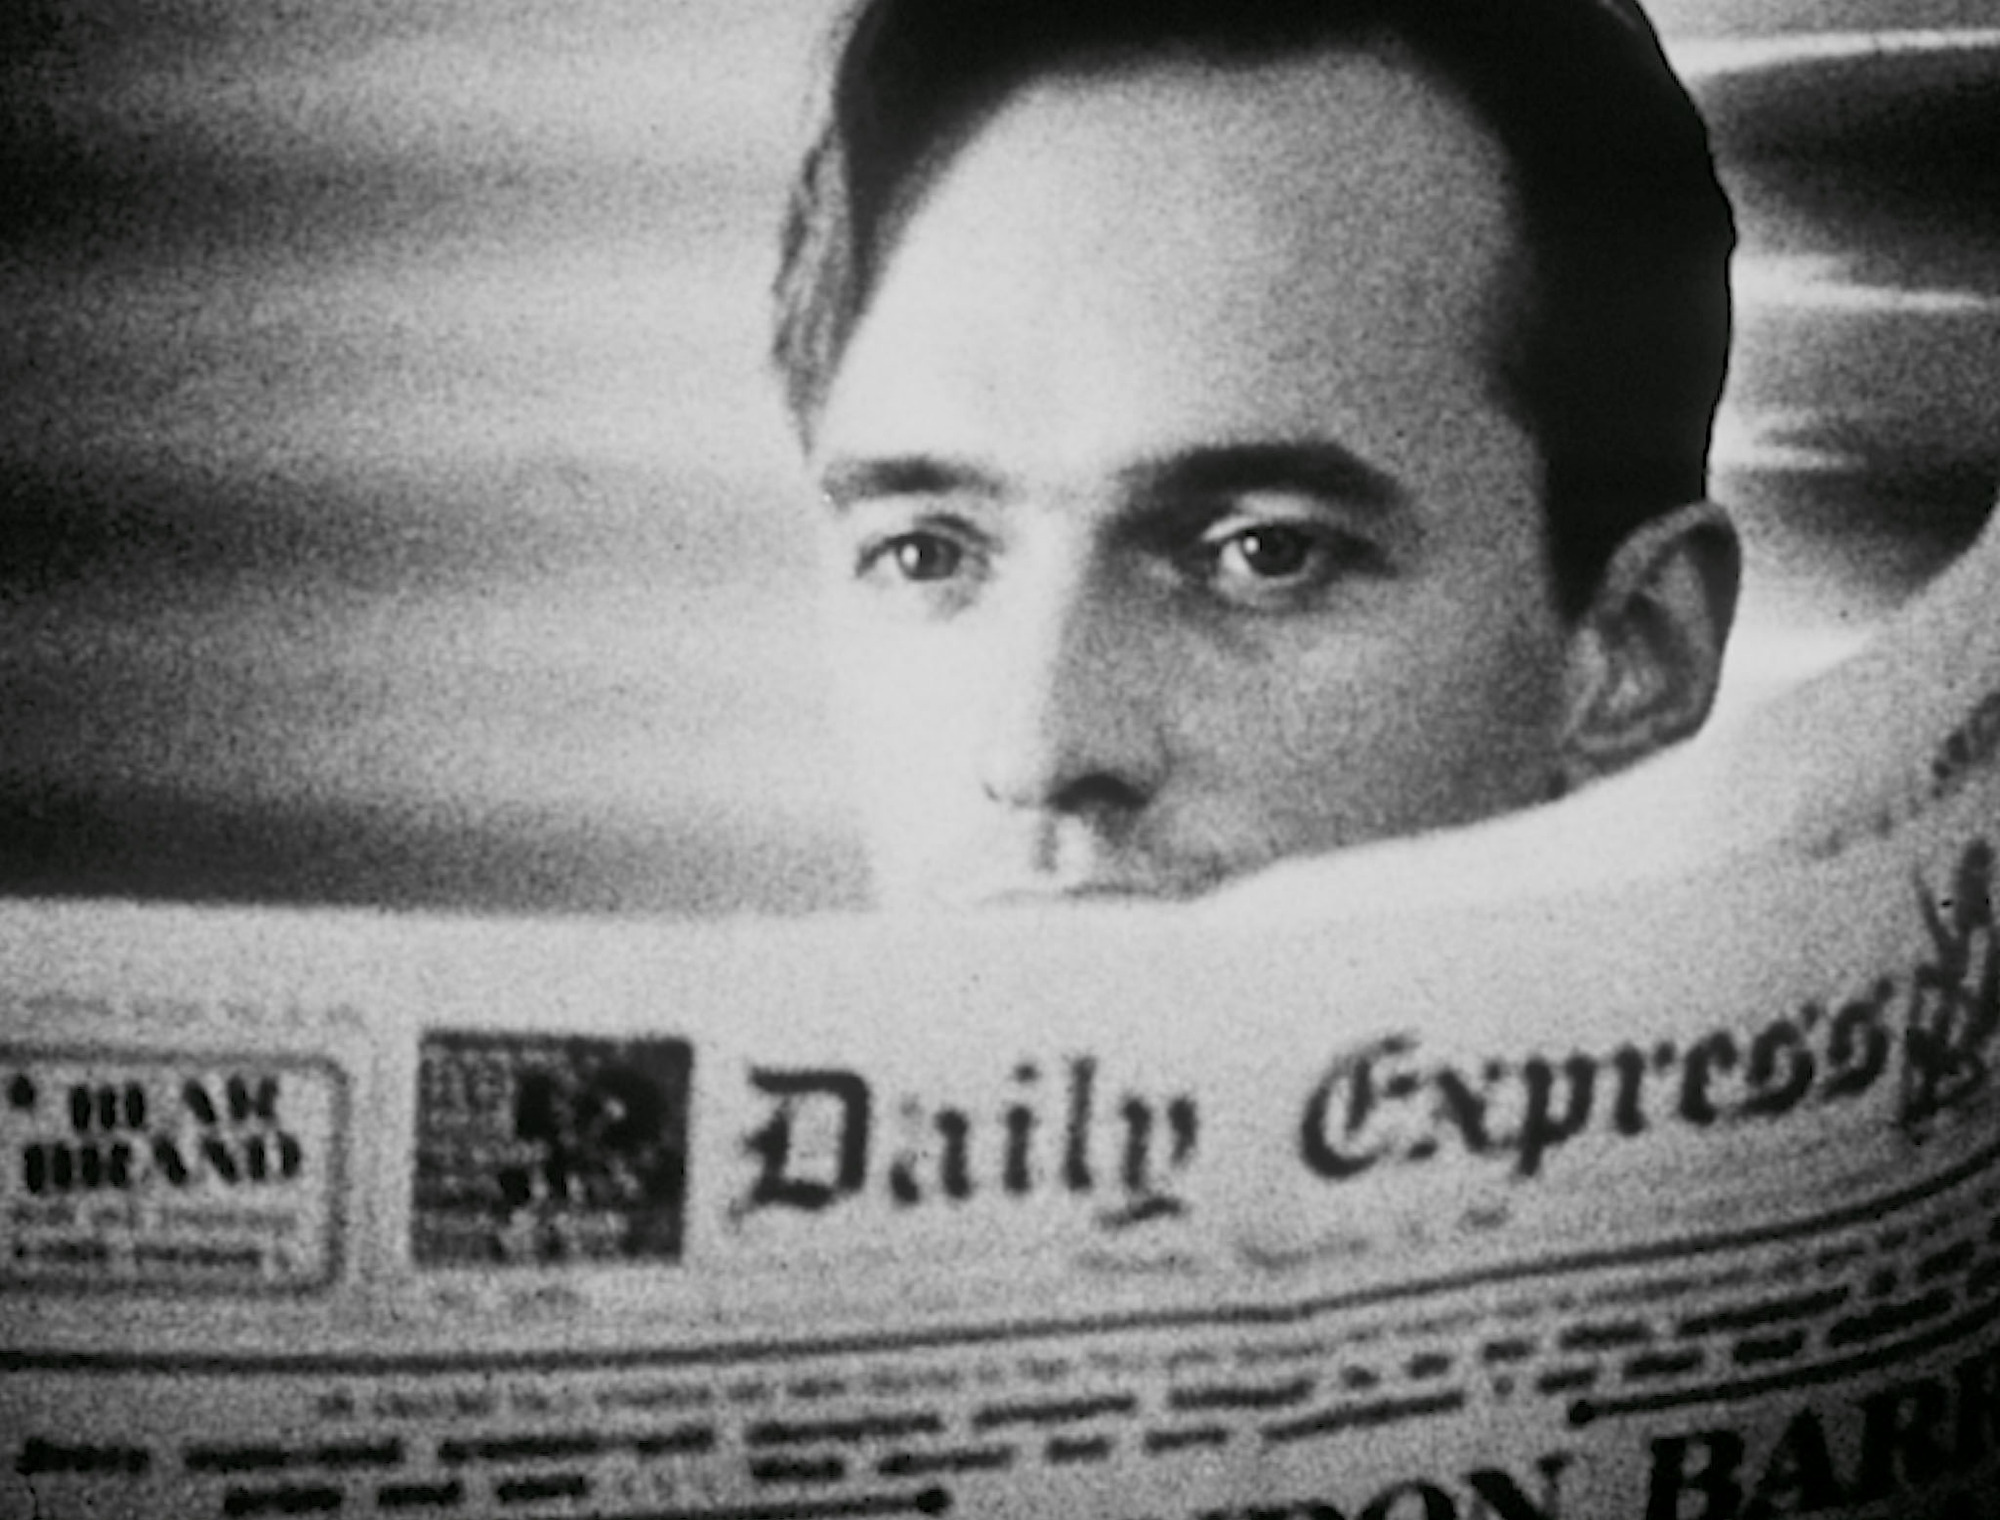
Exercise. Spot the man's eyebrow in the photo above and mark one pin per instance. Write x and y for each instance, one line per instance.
(846, 481)
(1313, 467)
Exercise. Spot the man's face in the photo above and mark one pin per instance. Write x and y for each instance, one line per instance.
(1176, 521)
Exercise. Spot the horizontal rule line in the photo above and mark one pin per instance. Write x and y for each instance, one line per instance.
(847, 1432)
(354, 1364)
(925, 1501)
(1588, 1411)
(1767, 1312)
(1363, 1417)
(1264, 1396)
(1054, 1411)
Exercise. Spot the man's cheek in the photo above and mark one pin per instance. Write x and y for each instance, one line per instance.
(1392, 739)
(908, 725)
(1337, 738)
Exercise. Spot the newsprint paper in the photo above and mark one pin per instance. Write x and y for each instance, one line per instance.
(1675, 1198)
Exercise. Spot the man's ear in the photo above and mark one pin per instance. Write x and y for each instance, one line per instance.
(1646, 657)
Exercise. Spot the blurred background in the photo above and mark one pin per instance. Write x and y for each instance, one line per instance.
(394, 508)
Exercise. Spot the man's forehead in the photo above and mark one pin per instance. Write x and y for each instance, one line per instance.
(1337, 115)
(1112, 270)
(1297, 97)
(1380, 34)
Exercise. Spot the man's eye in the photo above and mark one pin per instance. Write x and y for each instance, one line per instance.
(919, 564)
(1268, 553)
(1275, 565)
(943, 560)
(921, 556)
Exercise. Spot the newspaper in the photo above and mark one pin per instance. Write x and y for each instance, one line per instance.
(1670, 1200)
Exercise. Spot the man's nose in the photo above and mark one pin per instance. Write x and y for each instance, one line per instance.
(1073, 701)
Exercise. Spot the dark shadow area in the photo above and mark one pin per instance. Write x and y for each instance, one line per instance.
(59, 841)
(171, 529)
(1852, 546)
(1893, 160)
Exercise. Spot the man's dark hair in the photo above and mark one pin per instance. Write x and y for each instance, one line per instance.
(1616, 357)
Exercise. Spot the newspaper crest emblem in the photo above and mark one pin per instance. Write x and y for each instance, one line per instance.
(536, 1149)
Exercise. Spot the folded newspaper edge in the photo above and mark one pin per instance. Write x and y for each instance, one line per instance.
(1586, 1169)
